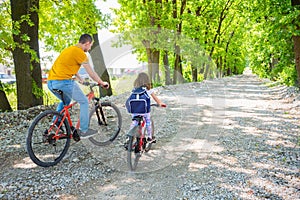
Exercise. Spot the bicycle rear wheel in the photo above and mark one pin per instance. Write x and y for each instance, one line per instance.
(107, 120)
(133, 151)
(43, 149)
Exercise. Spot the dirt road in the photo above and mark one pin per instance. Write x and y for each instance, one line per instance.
(230, 138)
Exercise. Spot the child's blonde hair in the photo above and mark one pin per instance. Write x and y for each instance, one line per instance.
(142, 80)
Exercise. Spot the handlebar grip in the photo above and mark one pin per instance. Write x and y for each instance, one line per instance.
(105, 86)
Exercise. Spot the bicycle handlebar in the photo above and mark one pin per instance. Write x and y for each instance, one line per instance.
(86, 83)
(157, 105)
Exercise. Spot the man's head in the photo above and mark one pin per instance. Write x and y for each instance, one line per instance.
(86, 42)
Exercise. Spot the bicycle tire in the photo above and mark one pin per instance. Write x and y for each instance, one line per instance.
(149, 145)
(43, 150)
(133, 155)
(107, 120)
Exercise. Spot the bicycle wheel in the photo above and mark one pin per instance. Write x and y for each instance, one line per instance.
(43, 149)
(133, 148)
(149, 145)
(107, 120)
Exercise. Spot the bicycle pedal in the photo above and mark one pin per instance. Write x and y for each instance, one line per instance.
(76, 136)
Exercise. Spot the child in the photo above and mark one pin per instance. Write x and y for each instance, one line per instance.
(143, 80)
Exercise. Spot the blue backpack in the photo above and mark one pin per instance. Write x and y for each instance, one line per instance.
(138, 101)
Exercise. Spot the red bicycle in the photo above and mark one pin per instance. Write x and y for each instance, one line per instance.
(50, 133)
(137, 144)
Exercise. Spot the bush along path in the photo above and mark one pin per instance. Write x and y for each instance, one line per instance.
(230, 138)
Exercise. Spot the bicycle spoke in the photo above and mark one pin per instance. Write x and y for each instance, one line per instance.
(43, 148)
(107, 121)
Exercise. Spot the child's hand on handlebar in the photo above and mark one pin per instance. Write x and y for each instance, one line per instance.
(163, 105)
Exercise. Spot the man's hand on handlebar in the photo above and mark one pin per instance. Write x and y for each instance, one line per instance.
(105, 85)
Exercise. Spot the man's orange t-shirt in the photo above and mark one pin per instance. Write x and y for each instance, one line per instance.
(67, 64)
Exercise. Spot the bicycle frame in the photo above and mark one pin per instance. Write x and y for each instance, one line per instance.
(66, 114)
(140, 132)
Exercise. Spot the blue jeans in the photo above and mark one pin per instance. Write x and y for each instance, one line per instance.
(71, 90)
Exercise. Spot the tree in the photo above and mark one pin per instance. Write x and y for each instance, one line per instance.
(144, 18)
(5, 49)
(100, 68)
(296, 38)
(25, 23)
(270, 49)
(4, 106)
(73, 18)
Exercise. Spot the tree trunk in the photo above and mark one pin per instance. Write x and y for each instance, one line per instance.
(194, 73)
(297, 57)
(155, 65)
(167, 68)
(297, 46)
(99, 64)
(28, 71)
(36, 72)
(153, 62)
(4, 105)
(295, 2)
(177, 76)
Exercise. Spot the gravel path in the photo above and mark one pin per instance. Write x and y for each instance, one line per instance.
(230, 138)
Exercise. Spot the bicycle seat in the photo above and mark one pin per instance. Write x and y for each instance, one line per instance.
(137, 118)
(60, 92)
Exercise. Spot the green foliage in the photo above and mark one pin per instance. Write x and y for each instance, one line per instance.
(6, 41)
(187, 73)
(270, 45)
(61, 23)
(287, 76)
(234, 33)
(157, 84)
(8, 88)
(203, 32)
(200, 77)
(38, 92)
(48, 97)
(11, 94)
(224, 34)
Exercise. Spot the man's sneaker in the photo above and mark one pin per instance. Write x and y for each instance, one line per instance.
(89, 133)
(151, 140)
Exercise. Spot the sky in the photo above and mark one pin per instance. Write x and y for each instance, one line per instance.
(121, 57)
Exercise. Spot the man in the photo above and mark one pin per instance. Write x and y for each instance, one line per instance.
(60, 77)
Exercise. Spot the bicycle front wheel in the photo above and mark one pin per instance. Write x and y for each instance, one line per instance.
(107, 120)
(42, 147)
